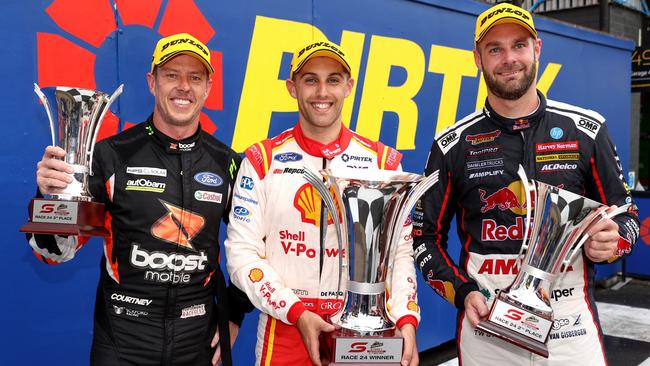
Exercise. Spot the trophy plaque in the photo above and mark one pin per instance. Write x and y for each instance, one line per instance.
(73, 211)
(372, 207)
(521, 314)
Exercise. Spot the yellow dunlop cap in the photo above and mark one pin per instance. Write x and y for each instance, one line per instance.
(181, 43)
(503, 13)
(318, 49)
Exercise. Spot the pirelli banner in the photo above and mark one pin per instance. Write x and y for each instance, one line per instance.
(414, 71)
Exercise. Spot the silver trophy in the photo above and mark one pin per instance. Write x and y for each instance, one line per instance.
(522, 313)
(373, 206)
(72, 212)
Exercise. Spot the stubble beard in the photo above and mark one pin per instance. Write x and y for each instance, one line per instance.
(503, 91)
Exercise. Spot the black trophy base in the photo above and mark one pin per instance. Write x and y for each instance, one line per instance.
(345, 347)
(64, 217)
(513, 337)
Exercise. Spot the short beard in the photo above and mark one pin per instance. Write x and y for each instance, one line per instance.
(503, 92)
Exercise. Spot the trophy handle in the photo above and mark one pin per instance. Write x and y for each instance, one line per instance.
(412, 197)
(603, 215)
(527, 188)
(110, 101)
(46, 104)
(316, 181)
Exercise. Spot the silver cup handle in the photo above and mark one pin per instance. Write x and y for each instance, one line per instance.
(114, 96)
(527, 189)
(46, 104)
(603, 215)
(316, 181)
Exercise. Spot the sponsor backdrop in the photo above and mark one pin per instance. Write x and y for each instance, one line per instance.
(414, 76)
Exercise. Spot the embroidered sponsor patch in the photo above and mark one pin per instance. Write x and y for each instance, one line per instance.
(145, 170)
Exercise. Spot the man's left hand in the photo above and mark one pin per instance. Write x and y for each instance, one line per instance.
(410, 356)
(234, 330)
(603, 240)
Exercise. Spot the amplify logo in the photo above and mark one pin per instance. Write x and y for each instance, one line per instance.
(178, 226)
(78, 52)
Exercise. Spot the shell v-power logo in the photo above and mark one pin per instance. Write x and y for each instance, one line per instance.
(99, 44)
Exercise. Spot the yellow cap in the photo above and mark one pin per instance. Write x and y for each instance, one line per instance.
(503, 13)
(318, 49)
(182, 43)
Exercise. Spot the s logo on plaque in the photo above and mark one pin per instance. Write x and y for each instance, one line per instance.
(373, 207)
(521, 314)
(73, 211)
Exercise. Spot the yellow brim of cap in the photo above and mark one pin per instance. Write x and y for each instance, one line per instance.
(321, 53)
(505, 20)
(189, 53)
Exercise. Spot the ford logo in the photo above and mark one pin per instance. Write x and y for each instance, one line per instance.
(208, 179)
(241, 211)
(290, 156)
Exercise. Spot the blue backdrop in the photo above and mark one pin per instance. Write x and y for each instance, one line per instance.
(415, 75)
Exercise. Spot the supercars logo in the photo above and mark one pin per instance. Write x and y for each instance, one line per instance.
(178, 226)
(308, 202)
(85, 47)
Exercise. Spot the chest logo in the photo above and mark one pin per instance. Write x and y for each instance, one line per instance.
(287, 157)
(208, 179)
(308, 202)
(178, 226)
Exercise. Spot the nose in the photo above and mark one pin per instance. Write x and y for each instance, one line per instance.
(321, 88)
(184, 82)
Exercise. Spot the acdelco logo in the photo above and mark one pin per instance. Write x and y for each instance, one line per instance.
(160, 260)
(558, 167)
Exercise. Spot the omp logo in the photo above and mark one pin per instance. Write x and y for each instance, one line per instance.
(448, 138)
(590, 125)
(177, 226)
(308, 202)
(145, 185)
(85, 47)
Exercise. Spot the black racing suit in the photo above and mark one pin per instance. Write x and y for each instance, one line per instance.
(478, 158)
(160, 274)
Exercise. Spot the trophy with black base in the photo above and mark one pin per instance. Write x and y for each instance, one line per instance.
(521, 314)
(73, 211)
(371, 207)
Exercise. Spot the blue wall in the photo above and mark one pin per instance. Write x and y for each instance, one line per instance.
(419, 46)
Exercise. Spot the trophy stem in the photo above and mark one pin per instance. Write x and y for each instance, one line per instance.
(46, 104)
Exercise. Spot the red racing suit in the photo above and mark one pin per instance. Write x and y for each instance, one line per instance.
(478, 158)
(160, 274)
(274, 239)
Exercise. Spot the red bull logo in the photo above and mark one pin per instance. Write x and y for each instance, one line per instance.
(510, 198)
(444, 289)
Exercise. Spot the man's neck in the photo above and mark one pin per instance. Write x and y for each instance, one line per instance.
(521, 107)
(324, 135)
(175, 132)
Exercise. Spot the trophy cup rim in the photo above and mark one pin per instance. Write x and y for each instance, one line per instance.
(371, 175)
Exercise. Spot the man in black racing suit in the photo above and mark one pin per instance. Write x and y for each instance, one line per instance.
(165, 197)
(477, 159)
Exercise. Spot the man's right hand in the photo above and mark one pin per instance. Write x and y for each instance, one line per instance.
(310, 326)
(52, 174)
(476, 308)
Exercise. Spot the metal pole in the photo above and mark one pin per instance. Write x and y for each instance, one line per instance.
(604, 15)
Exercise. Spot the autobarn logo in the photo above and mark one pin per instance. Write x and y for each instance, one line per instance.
(287, 157)
(482, 138)
(546, 168)
(145, 185)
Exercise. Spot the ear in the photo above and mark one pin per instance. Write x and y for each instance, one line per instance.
(349, 84)
(477, 58)
(291, 87)
(538, 48)
(151, 82)
(207, 90)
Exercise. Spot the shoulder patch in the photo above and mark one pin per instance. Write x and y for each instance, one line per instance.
(387, 157)
(450, 136)
(587, 121)
(259, 154)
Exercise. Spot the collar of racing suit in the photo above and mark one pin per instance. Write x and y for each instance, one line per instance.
(317, 149)
(514, 125)
(171, 145)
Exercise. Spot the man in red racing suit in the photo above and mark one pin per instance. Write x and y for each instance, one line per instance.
(478, 158)
(281, 245)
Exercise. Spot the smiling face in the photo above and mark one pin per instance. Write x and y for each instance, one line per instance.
(320, 88)
(507, 57)
(180, 87)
